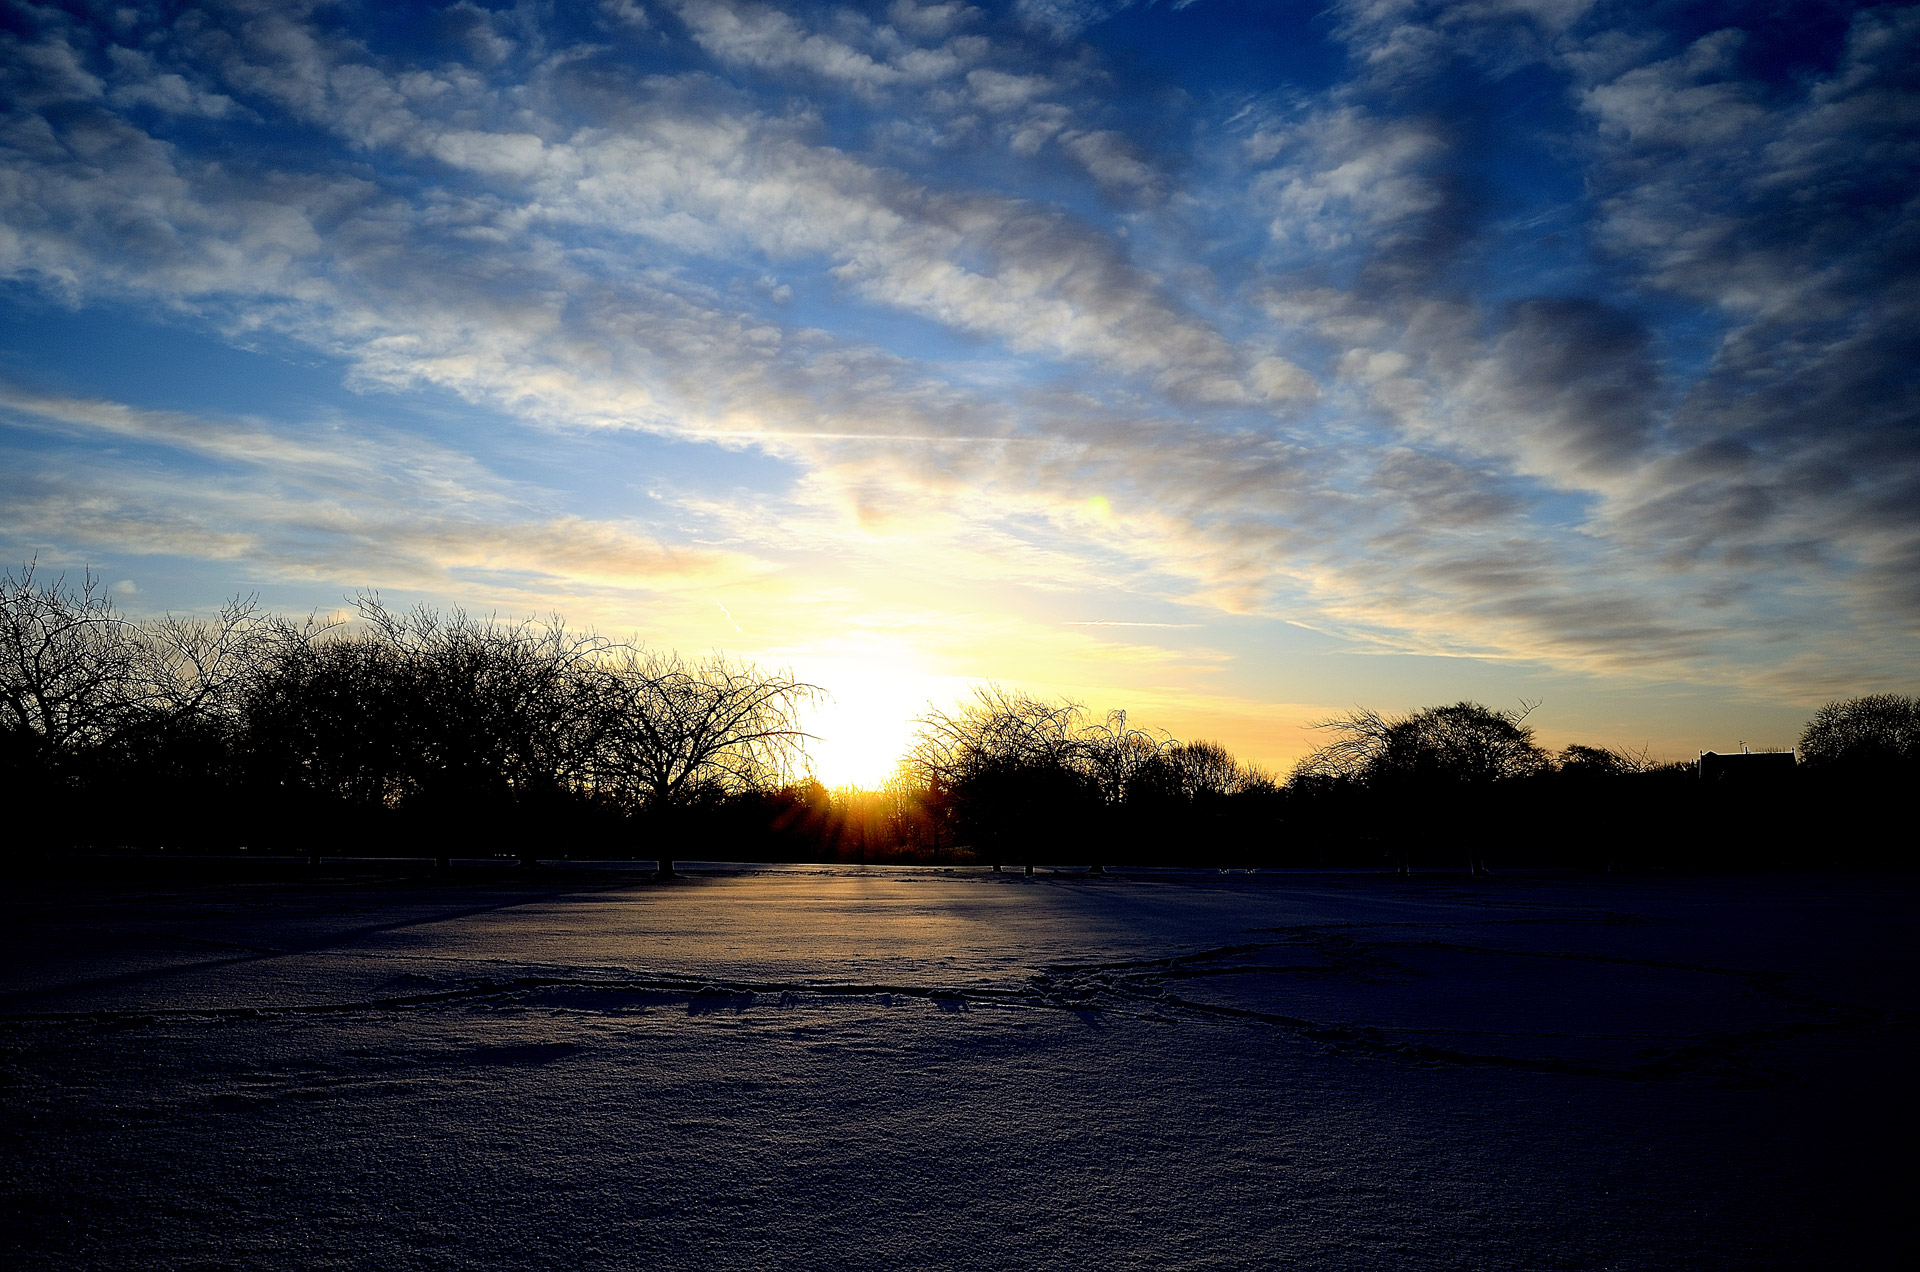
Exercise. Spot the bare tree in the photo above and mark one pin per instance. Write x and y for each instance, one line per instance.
(1015, 766)
(193, 668)
(507, 711)
(1878, 732)
(1359, 741)
(89, 697)
(682, 733)
(1427, 767)
(449, 726)
(452, 725)
(68, 665)
(915, 807)
(328, 724)
(1116, 756)
(1198, 771)
(1597, 762)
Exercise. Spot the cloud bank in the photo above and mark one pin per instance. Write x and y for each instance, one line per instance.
(1574, 334)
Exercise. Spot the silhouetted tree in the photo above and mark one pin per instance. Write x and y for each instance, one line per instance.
(1015, 768)
(139, 716)
(330, 727)
(68, 671)
(680, 734)
(1879, 733)
(1013, 773)
(1198, 793)
(1601, 804)
(1196, 772)
(1430, 772)
(1116, 758)
(174, 756)
(916, 807)
(502, 718)
(1595, 762)
(442, 727)
(1861, 761)
(1359, 741)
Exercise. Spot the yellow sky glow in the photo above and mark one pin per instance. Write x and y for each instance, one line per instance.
(867, 720)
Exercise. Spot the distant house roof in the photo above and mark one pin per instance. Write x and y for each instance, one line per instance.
(1746, 768)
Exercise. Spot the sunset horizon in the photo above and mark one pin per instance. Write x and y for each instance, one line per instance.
(1231, 364)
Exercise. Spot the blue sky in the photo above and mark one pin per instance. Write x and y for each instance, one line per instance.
(1231, 362)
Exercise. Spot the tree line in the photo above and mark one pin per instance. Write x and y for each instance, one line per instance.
(423, 733)
(438, 734)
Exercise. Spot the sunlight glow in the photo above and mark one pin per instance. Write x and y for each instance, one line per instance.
(869, 722)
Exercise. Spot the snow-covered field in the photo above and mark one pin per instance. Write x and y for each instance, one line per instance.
(893, 1068)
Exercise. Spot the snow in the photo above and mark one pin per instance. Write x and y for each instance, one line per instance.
(889, 1068)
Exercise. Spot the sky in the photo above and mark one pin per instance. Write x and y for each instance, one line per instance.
(1234, 364)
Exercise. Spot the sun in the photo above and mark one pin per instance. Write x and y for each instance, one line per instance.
(868, 718)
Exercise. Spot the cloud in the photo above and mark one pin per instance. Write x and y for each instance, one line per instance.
(626, 14)
(1064, 19)
(1568, 391)
(997, 90)
(1113, 161)
(1348, 178)
(138, 83)
(38, 73)
(669, 167)
(1407, 45)
(766, 38)
(335, 502)
(1316, 373)
(1786, 218)
(1771, 202)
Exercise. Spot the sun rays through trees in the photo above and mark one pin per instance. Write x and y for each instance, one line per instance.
(439, 734)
